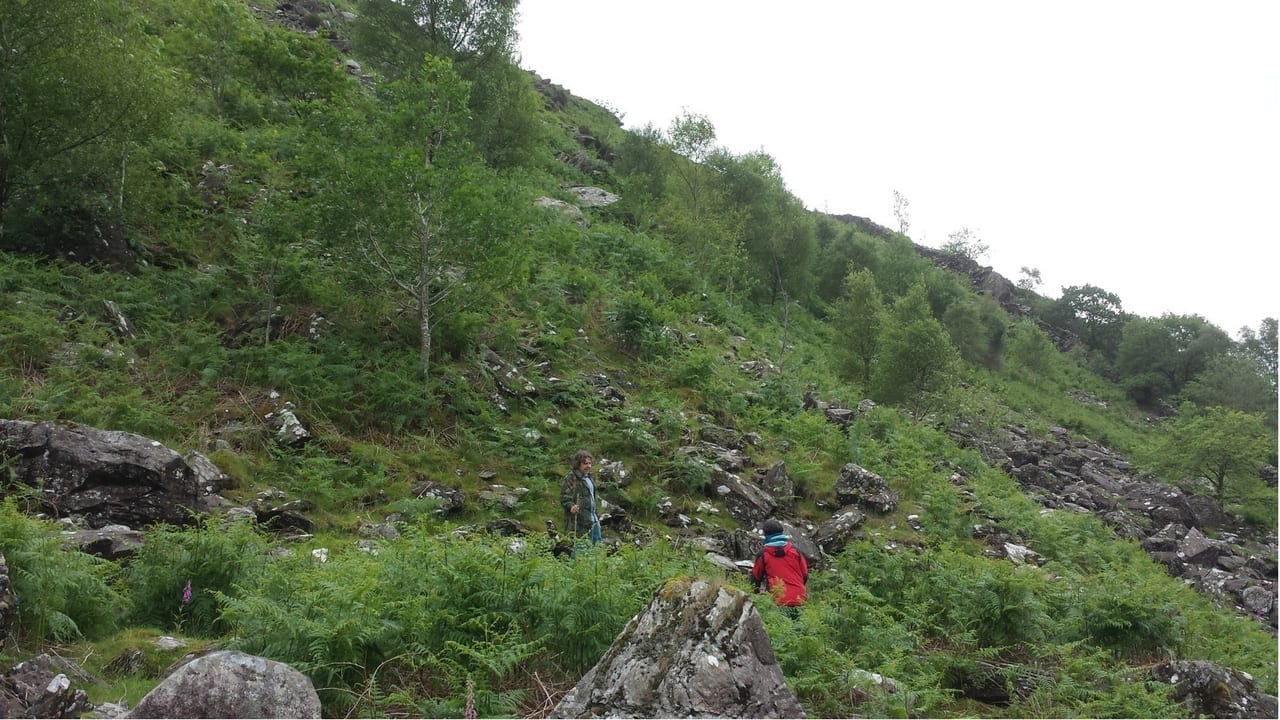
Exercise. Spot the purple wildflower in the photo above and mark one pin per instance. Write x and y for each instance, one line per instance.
(186, 593)
(470, 711)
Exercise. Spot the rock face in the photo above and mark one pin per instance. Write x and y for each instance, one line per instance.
(107, 476)
(8, 603)
(1212, 691)
(1237, 567)
(40, 688)
(698, 650)
(859, 486)
(230, 684)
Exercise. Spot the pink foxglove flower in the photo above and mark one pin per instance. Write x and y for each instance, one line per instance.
(186, 593)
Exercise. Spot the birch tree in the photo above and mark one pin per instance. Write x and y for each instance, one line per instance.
(430, 218)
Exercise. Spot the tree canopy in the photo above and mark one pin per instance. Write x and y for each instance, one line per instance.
(78, 84)
(1221, 444)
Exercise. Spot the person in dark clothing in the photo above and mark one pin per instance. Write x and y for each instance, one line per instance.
(781, 569)
(578, 497)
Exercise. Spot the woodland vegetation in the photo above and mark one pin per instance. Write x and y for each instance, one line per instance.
(335, 201)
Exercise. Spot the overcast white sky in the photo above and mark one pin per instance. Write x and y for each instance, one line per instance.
(1132, 145)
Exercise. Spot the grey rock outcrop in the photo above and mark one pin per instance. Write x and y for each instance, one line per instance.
(106, 476)
(778, 482)
(229, 684)
(593, 197)
(1209, 690)
(859, 486)
(837, 532)
(41, 688)
(1190, 534)
(699, 649)
(112, 542)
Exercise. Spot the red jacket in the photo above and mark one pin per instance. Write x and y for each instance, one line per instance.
(786, 572)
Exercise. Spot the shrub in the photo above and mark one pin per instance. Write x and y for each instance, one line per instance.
(64, 595)
(215, 561)
(1129, 616)
(430, 615)
(637, 323)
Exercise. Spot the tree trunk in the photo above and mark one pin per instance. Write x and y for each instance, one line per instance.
(424, 330)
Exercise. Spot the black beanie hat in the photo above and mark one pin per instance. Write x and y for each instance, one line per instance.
(771, 527)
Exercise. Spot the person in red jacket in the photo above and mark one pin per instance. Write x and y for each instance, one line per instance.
(781, 568)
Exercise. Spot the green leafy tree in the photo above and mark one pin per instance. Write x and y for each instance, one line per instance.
(643, 161)
(1262, 346)
(976, 327)
(1092, 313)
(899, 267)
(1157, 357)
(77, 86)
(965, 243)
(1030, 347)
(478, 36)
(1221, 444)
(693, 137)
(697, 212)
(217, 32)
(778, 233)
(395, 34)
(505, 120)
(1234, 380)
(917, 361)
(841, 248)
(858, 318)
(425, 211)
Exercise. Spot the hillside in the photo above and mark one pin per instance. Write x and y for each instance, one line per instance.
(365, 286)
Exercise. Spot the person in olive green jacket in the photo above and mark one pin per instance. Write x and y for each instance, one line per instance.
(578, 497)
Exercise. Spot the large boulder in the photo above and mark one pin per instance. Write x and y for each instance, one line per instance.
(859, 486)
(833, 535)
(778, 482)
(744, 500)
(698, 650)
(229, 684)
(107, 476)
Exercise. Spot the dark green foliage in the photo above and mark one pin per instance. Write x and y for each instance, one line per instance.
(1236, 381)
(858, 319)
(217, 560)
(1093, 314)
(1262, 346)
(976, 327)
(506, 125)
(80, 87)
(62, 596)
(638, 324)
(1030, 348)
(842, 250)
(918, 361)
(1133, 619)
(432, 612)
(1158, 357)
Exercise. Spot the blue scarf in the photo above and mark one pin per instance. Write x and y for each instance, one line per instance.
(775, 540)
